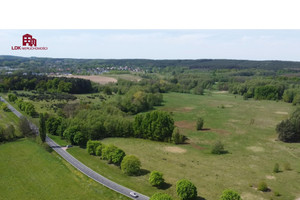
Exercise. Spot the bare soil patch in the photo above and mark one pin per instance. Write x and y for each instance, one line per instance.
(249, 196)
(175, 149)
(256, 149)
(96, 79)
(270, 177)
(220, 131)
(281, 113)
(221, 92)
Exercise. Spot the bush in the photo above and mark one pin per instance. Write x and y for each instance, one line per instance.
(80, 139)
(200, 123)
(230, 195)
(5, 107)
(262, 186)
(12, 97)
(177, 137)
(131, 165)
(161, 196)
(99, 149)
(218, 148)
(277, 194)
(25, 127)
(186, 190)
(276, 168)
(156, 179)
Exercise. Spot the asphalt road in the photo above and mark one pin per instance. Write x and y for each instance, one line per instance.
(81, 167)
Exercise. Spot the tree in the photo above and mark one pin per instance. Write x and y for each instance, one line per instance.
(9, 133)
(186, 190)
(5, 107)
(286, 131)
(161, 196)
(99, 150)
(92, 146)
(12, 97)
(198, 90)
(70, 133)
(42, 128)
(113, 154)
(24, 127)
(80, 139)
(53, 124)
(156, 179)
(131, 165)
(218, 148)
(200, 123)
(230, 195)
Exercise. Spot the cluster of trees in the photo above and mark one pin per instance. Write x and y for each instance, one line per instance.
(292, 96)
(289, 130)
(27, 107)
(130, 164)
(155, 125)
(45, 83)
(47, 96)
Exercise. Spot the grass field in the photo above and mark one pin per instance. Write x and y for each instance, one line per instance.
(27, 171)
(246, 128)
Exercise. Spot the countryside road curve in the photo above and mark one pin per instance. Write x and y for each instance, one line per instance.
(80, 166)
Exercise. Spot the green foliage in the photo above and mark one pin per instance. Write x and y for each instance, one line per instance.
(177, 137)
(268, 92)
(4, 107)
(230, 195)
(25, 127)
(42, 129)
(113, 154)
(160, 196)
(200, 123)
(131, 165)
(262, 186)
(277, 194)
(156, 179)
(12, 97)
(99, 149)
(218, 148)
(80, 139)
(186, 190)
(52, 125)
(27, 107)
(198, 90)
(7, 134)
(70, 133)
(92, 147)
(156, 125)
(276, 168)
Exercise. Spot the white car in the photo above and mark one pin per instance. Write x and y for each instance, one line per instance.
(133, 194)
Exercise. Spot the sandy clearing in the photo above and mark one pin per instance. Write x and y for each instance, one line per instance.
(186, 125)
(96, 79)
(221, 92)
(249, 196)
(270, 177)
(281, 113)
(256, 149)
(175, 149)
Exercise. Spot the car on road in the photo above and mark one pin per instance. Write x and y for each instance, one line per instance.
(133, 194)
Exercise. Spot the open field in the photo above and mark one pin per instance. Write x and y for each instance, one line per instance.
(27, 171)
(246, 128)
(95, 78)
(129, 77)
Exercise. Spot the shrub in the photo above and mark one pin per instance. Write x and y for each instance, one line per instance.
(276, 168)
(230, 195)
(186, 190)
(200, 123)
(161, 196)
(218, 148)
(262, 186)
(24, 127)
(99, 149)
(12, 97)
(286, 131)
(156, 178)
(5, 107)
(131, 165)
(277, 194)
(177, 137)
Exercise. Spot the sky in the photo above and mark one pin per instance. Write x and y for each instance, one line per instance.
(246, 44)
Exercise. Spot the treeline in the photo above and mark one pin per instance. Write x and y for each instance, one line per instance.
(111, 122)
(289, 130)
(45, 83)
(7, 133)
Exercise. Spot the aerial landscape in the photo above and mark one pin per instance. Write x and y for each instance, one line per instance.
(158, 129)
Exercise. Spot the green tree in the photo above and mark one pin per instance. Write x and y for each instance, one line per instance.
(92, 146)
(161, 196)
(24, 127)
(99, 150)
(131, 165)
(52, 125)
(70, 133)
(42, 128)
(287, 131)
(5, 107)
(156, 179)
(200, 123)
(12, 97)
(9, 133)
(80, 139)
(186, 190)
(230, 195)
(113, 154)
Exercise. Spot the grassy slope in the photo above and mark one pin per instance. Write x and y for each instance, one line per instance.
(253, 150)
(27, 171)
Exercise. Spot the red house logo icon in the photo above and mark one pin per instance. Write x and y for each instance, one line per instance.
(28, 39)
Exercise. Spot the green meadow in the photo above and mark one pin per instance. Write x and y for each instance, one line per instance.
(245, 127)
